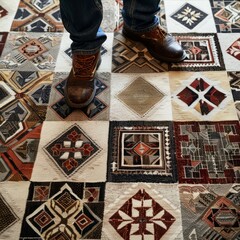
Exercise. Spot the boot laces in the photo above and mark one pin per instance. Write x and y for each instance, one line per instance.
(162, 32)
(84, 66)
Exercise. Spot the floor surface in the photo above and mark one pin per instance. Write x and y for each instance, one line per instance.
(156, 155)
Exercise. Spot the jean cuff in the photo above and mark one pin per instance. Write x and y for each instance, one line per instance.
(86, 52)
(146, 29)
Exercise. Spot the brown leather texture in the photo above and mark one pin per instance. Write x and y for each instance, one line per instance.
(160, 44)
(80, 86)
(84, 66)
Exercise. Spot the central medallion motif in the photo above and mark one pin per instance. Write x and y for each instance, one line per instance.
(32, 49)
(141, 150)
(71, 150)
(63, 216)
(223, 217)
(140, 96)
(202, 96)
(189, 16)
(141, 217)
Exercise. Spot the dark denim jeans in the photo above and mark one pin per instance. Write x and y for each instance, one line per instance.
(82, 19)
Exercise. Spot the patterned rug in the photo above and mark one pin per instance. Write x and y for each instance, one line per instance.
(156, 155)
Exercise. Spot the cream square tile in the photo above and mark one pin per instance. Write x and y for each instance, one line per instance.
(9, 9)
(140, 210)
(230, 45)
(201, 96)
(140, 97)
(13, 198)
(72, 151)
(189, 16)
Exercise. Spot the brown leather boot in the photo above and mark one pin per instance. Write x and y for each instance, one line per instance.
(80, 86)
(160, 44)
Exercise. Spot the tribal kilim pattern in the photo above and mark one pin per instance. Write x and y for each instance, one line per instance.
(210, 211)
(71, 150)
(64, 211)
(38, 16)
(154, 156)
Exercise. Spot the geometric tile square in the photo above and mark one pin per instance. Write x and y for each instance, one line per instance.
(38, 16)
(203, 53)
(18, 155)
(226, 15)
(30, 51)
(65, 214)
(202, 96)
(141, 151)
(140, 205)
(140, 96)
(210, 211)
(71, 150)
(208, 152)
(142, 211)
(131, 57)
(28, 89)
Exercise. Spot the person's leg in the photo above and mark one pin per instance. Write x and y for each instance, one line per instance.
(141, 24)
(82, 19)
(140, 15)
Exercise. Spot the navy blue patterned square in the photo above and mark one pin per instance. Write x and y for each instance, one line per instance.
(189, 16)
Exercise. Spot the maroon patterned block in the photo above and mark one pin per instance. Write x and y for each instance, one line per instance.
(141, 152)
(208, 152)
(158, 214)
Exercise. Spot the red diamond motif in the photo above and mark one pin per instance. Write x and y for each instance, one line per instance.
(195, 50)
(141, 149)
(32, 49)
